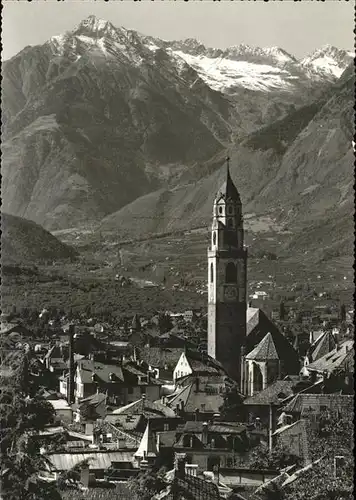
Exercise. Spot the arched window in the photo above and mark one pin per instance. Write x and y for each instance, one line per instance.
(231, 273)
(220, 209)
(229, 209)
(211, 273)
(214, 238)
(257, 378)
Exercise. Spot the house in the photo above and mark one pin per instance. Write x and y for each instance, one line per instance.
(90, 408)
(62, 409)
(197, 364)
(324, 344)
(257, 407)
(160, 416)
(184, 484)
(312, 405)
(189, 315)
(338, 361)
(294, 437)
(210, 444)
(12, 327)
(122, 383)
(99, 461)
(199, 397)
(161, 360)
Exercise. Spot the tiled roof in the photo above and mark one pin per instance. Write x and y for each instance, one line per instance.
(273, 394)
(192, 400)
(94, 400)
(159, 357)
(103, 371)
(132, 368)
(147, 408)
(215, 427)
(265, 350)
(98, 460)
(340, 357)
(324, 344)
(129, 423)
(303, 402)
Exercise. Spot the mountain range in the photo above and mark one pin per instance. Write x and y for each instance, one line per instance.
(104, 125)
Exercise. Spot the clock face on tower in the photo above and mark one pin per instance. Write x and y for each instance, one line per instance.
(230, 292)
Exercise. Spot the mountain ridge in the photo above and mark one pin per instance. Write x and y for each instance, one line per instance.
(99, 117)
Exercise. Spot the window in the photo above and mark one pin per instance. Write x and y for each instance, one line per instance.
(220, 210)
(166, 427)
(231, 273)
(211, 273)
(214, 238)
(229, 209)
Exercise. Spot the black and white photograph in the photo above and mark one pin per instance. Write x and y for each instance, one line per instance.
(177, 250)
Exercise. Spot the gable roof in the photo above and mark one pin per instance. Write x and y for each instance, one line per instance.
(273, 394)
(147, 408)
(340, 357)
(323, 345)
(303, 402)
(126, 422)
(214, 427)
(105, 372)
(193, 400)
(159, 357)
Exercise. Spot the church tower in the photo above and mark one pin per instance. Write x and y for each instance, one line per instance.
(227, 262)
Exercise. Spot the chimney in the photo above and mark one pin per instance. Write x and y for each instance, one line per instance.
(205, 433)
(70, 389)
(196, 414)
(180, 462)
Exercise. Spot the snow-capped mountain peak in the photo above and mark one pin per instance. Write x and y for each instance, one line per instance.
(328, 61)
(266, 69)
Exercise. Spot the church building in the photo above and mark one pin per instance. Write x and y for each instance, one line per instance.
(249, 346)
(227, 261)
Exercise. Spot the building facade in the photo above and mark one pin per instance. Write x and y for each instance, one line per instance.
(227, 283)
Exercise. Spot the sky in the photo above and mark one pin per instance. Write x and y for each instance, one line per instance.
(297, 27)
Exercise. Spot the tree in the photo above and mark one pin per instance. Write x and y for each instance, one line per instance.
(332, 437)
(278, 459)
(22, 414)
(164, 323)
(148, 483)
(232, 407)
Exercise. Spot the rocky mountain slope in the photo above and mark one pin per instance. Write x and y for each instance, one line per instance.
(299, 169)
(25, 242)
(101, 116)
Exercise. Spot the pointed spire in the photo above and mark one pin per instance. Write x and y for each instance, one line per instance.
(148, 445)
(228, 190)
